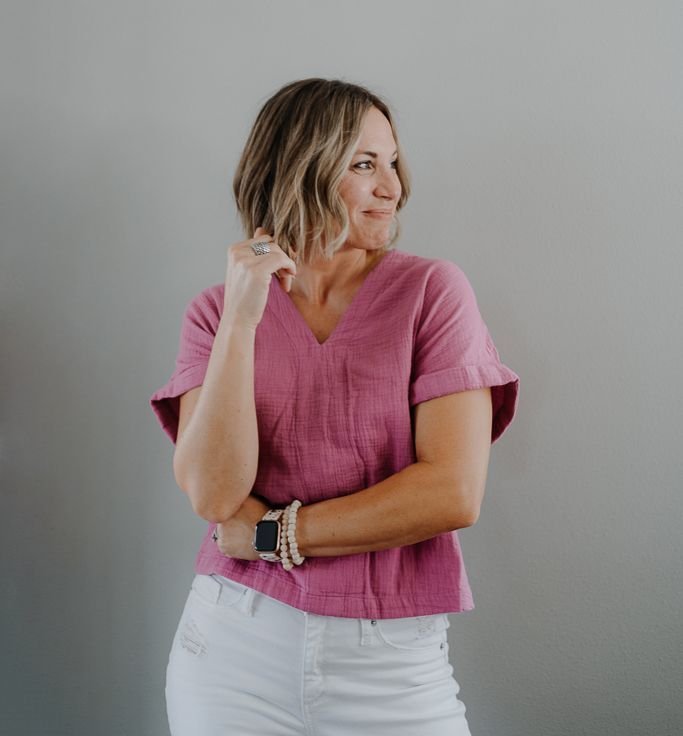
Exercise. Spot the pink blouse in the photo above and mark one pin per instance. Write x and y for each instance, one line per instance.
(335, 418)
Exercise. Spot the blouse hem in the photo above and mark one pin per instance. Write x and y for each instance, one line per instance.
(326, 604)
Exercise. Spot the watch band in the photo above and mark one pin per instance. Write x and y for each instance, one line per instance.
(273, 515)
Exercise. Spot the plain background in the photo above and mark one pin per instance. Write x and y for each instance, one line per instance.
(545, 145)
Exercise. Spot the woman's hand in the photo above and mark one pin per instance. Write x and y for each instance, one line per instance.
(248, 278)
(236, 535)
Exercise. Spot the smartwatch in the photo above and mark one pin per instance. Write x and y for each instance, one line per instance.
(267, 536)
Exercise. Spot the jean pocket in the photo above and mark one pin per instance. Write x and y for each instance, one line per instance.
(414, 632)
(216, 590)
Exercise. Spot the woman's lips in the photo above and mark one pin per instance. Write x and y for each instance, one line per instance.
(379, 215)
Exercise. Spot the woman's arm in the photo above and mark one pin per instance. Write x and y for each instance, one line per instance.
(441, 492)
(415, 504)
(216, 456)
(410, 506)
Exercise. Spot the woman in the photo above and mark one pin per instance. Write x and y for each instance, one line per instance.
(357, 388)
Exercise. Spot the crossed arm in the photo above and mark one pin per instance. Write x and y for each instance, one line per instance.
(440, 492)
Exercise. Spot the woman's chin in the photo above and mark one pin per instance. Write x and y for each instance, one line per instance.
(377, 237)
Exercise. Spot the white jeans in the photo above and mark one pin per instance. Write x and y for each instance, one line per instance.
(243, 663)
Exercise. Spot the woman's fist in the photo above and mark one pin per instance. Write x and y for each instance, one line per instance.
(248, 277)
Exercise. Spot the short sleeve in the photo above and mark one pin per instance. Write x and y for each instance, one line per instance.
(453, 350)
(197, 332)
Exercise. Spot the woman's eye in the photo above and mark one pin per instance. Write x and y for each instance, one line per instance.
(360, 163)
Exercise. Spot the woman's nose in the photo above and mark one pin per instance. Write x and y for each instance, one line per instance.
(388, 185)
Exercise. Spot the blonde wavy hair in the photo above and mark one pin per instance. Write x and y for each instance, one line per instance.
(294, 160)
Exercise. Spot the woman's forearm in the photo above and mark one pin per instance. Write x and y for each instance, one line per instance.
(410, 506)
(217, 459)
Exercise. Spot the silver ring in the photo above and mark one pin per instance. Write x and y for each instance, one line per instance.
(260, 249)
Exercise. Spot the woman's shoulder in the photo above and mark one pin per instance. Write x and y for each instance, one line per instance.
(209, 300)
(420, 270)
(203, 311)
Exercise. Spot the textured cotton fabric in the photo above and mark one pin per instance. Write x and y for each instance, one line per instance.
(335, 418)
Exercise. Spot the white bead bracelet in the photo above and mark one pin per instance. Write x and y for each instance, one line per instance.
(290, 513)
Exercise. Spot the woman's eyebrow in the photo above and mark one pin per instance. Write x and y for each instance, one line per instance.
(372, 153)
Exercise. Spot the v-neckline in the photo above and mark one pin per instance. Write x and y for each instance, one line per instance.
(296, 322)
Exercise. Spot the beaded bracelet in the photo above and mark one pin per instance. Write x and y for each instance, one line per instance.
(284, 558)
(291, 512)
(288, 537)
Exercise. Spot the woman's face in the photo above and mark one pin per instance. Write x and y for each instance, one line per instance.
(372, 184)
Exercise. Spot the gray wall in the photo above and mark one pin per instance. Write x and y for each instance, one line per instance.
(545, 144)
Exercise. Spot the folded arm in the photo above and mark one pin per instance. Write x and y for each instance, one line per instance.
(441, 492)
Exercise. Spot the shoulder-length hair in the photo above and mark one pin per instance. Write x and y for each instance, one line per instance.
(294, 160)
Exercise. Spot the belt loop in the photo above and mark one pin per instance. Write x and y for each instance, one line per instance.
(367, 628)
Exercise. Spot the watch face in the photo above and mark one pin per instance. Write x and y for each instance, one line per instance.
(266, 536)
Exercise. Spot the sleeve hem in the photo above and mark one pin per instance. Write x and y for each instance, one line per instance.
(165, 402)
(504, 384)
